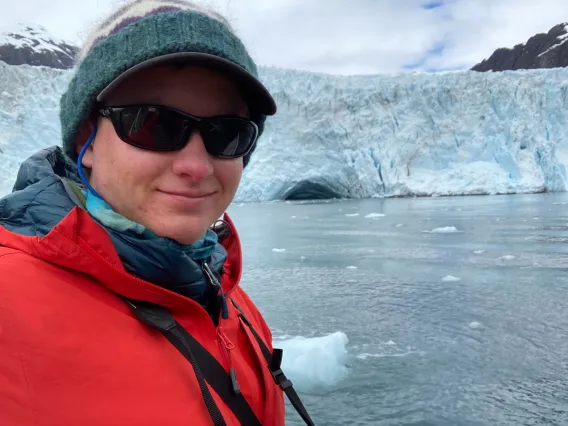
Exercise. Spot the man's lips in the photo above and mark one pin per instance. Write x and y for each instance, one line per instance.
(188, 199)
(189, 194)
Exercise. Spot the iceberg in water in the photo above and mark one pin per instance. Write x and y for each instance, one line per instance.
(375, 215)
(451, 279)
(317, 362)
(444, 230)
(360, 136)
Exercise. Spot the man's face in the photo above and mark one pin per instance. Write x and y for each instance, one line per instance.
(175, 194)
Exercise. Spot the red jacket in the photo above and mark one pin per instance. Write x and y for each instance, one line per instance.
(72, 353)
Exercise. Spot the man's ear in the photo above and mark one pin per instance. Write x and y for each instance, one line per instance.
(81, 140)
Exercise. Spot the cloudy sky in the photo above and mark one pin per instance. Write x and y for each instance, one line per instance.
(342, 36)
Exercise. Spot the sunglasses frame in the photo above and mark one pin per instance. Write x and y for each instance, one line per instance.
(114, 114)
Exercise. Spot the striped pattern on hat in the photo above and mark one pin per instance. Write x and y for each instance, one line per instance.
(137, 10)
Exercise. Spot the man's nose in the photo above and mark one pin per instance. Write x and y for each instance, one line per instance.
(193, 159)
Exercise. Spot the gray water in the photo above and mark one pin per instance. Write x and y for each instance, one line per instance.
(490, 349)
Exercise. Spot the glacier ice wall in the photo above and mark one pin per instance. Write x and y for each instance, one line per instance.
(412, 134)
(364, 136)
(29, 121)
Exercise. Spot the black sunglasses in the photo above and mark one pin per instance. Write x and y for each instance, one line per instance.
(159, 128)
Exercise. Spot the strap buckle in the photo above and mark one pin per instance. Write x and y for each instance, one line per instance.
(276, 370)
(281, 380)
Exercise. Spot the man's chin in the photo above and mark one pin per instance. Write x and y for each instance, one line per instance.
(186, 230)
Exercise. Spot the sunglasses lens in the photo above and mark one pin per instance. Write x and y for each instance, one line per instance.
(228, 137)
(161, 129)
(154, 128)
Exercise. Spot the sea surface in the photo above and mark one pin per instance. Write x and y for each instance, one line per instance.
(430, 312)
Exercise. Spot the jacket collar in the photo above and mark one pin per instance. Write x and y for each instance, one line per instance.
(80, 244)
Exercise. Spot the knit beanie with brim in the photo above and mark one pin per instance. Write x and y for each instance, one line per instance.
(146, 33)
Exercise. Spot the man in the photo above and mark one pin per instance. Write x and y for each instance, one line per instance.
(119, 302)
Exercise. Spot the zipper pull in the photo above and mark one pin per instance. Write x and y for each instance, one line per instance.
(234, 383)
(228, 346)
(224, 339)
(224, 307)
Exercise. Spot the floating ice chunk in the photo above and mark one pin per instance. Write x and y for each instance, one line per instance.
(375, 215)
(303, 257)
(399, 225)
(444, 230)
(559, 204)
(366, 355)
(479, 251)
(292, 217)
(312, 363)
(390, 343)
(474, 325)
(507, 257)
(535, 218)
(451, 279)
(352, 214)
(278, 250)
(409, 351)
(351, 267)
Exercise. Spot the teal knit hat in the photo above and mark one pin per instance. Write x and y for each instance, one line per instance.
(147, 33)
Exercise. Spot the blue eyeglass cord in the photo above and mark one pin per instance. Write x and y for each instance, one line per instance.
(80, 163)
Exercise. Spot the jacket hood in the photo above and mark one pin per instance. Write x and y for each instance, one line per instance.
(39, 199)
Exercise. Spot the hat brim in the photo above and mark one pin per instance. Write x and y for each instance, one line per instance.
(257, 95)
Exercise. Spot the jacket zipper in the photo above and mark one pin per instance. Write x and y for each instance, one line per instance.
(225, 345)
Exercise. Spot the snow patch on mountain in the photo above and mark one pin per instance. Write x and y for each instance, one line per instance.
(563, 38)
(33, 45)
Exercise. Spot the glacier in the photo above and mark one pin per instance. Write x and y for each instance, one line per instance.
(412, 134)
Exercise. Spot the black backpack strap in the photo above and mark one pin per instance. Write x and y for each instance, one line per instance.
(206, 367)
(274, 362)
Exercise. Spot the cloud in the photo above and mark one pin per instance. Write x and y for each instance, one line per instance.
(437, 50)
(473, 29)
(340, 36)
(66, 19)
(344, 36)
